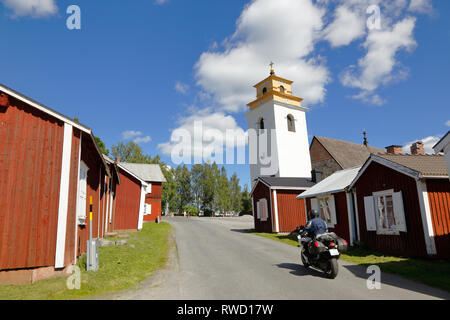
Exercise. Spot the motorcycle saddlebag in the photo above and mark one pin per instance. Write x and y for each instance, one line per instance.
(315, 250)
(342, 245)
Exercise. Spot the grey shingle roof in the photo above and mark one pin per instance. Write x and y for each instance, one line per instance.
(147, 172)
(348, 154)
(287, 182)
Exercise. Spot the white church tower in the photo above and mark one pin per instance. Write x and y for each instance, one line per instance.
(278, 143)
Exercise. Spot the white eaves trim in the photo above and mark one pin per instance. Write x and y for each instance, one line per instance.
(289, 188)
(440, 146)
(43, 108)
(301, 196)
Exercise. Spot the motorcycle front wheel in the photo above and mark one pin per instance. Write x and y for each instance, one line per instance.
(305, 264)
(332, 270)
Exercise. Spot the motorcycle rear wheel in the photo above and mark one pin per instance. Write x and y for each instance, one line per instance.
(333, 268)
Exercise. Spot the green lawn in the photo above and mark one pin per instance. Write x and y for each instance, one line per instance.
(121, 267)
(431, 272)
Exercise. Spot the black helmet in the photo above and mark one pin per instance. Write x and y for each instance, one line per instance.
(313, 213)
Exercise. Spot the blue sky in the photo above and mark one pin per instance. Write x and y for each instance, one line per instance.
(150, 67)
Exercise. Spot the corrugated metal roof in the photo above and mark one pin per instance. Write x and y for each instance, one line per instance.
(348, 154)
(426, 165)
(146, 172)
(337, 182)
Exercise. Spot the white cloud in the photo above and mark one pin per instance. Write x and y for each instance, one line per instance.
(283, 31)
(428, 144)
(421, 6)
(34, 8)
(378, 66)
(210, 123)
(447, 123)
(161, 2)
(130, 134)
(347, 26)
(181, 87)
(145, 139)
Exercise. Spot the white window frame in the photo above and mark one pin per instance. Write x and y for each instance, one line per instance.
(148, 209)
(82, 205)
(397, 215)
(149, 188)
(331, 205)
(260, 212)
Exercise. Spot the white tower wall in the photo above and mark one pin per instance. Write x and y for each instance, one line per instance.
(291, 157)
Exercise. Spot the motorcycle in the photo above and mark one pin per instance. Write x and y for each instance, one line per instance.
(322, 251)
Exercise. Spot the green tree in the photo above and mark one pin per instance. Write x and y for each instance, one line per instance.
(236, 194)
(223, 192)
(170, 197)
(196, 184)
(101, 145)
(130, 152)
(246, 202)
(183, 178)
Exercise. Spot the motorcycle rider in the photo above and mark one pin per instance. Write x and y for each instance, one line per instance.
(315, 225)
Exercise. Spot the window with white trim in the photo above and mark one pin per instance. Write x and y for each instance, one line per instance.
(385, 212)
(262, 213)
(327, 209)
(148, 209)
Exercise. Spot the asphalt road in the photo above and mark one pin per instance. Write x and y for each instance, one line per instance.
(214, 259)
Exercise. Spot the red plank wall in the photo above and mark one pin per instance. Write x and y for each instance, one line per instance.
(154, 199)
(379, 178)
(291, 211)
(96, 172)
(439, 198)
(341, 228)
(127, 202)
(262, 191)
(30, 169)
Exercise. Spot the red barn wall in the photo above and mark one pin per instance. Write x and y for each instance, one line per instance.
(72, 206)
(31, 145)
(127, 202)
(291, 211)
(341, 228)
(379, 178)
(262, 191)
(439, 198)
(96, 172)
(154, 199)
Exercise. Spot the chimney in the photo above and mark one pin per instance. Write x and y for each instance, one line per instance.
(394, 149)
(316, 175)
(118, 159)
(417, 148)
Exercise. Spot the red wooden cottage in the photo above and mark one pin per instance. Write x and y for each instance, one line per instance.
(335, 203)
(50, 167)
(130, 201)
(403, 204)
(275, 207)
(154, 178)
